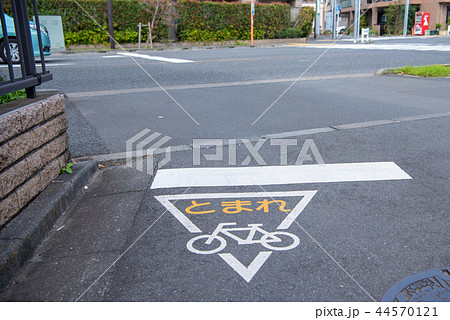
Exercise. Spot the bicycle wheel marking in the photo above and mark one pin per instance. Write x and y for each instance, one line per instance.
(215, 241)
(223, 229)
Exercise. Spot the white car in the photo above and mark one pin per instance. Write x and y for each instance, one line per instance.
(341, 29)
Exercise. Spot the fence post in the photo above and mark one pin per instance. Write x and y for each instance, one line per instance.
(150, 36)
(139, 35)
(22, 26)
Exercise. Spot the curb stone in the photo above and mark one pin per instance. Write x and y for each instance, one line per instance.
(182, 46)
(381, 72)
(388, 71)
(20, 238)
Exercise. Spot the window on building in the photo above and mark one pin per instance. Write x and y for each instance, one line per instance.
(381, 18)
(448, 13)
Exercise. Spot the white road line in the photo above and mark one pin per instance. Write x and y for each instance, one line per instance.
(49, 65)
(86, 94)
(395, 38)
(115, 56)
(271, 175)
(122, 156)
(144, 56)
(59, 64)
(401, 47)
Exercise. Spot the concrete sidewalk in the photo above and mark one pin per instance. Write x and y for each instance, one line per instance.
(20, 238)
(93, 231)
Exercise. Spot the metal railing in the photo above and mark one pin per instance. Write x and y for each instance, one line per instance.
(29, 78)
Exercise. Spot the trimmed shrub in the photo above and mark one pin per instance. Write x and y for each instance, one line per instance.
(79, 27)
(218, 21)
(304, 21)
(97, 36)
(197, 20)
(394, 18)
(288, 33)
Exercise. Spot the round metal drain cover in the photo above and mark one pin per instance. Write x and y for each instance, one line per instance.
(431, 286)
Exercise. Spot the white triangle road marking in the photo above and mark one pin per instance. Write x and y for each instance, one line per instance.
(246, 272)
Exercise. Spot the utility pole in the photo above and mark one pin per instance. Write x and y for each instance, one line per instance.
(317, 25)
(333, 19)
(406, 18)
(356, 23)
(359, 20)
(110, 25)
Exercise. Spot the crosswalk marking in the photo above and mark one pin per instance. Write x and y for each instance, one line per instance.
(405, 47)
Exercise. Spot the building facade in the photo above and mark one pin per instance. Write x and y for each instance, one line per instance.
(439, 12)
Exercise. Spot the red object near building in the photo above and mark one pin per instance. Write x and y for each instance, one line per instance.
(421, 23)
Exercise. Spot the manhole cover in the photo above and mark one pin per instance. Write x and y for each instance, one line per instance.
(431, 286)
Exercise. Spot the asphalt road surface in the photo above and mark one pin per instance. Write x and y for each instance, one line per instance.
(368, 206)
(222, 92)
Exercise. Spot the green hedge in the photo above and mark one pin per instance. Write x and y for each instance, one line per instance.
(304, 22)
(80, 28)
(197, 20)
(217, 21)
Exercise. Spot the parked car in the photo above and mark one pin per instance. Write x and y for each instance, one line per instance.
(13, 45)
(341, 29)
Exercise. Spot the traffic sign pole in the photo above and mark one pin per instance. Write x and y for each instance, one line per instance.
(355, 23)
(333, 19)
(252, 13)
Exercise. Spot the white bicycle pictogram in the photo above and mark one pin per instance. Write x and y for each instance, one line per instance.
(265, 240)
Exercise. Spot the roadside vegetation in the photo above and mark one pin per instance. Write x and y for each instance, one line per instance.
(12, 96)
(203, 21)
(438, 71)
(395, 13)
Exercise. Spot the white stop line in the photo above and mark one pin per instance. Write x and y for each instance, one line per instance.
(271, 175)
